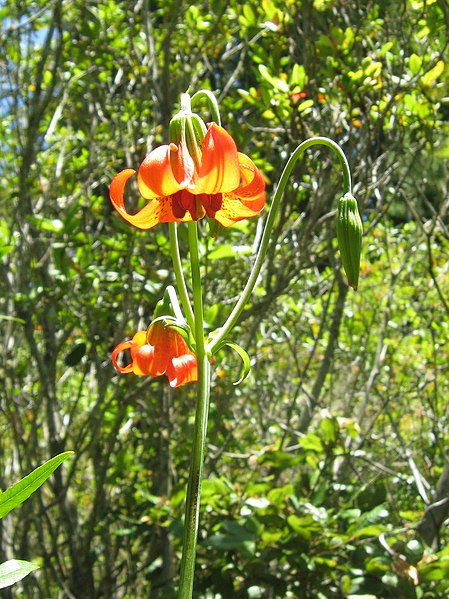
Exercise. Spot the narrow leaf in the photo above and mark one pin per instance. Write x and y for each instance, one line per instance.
(14, 570)
(17, 494)
(245, 359)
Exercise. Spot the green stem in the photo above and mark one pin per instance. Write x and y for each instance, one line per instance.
(202, 408)
(179, 275)
(212, 102)
(179, 316)
(185, 104)
(238, 308)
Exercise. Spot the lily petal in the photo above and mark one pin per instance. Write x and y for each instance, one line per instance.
(245, 201)
(156, 211)
(182, 370)
(144, 362)
(182, 163)
(160, 350)
(219, 170)
(162, 341)
(124, 345)
(252, 186)
(232, 210)
(156, 178)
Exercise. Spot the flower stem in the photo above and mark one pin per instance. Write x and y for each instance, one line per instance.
(185, 104)
(179, 275)
(179, 316)
(239, 306)
(211, 100)
(202, 408)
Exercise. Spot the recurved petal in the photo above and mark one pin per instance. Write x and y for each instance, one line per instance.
(232, 209)
(255, 203)
(156, 178)
(139, 339)
(252, 187)
(219, 170)
(156, 211)
(124, 345)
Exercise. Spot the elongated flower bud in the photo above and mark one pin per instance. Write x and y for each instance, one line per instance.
(349, 235)
(188, 129)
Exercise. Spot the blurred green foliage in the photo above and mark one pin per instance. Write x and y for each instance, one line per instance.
(321, 465)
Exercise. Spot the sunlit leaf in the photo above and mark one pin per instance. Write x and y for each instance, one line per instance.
(14, 570)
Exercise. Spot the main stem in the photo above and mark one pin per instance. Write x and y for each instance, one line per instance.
(202, 407)
(179, 274)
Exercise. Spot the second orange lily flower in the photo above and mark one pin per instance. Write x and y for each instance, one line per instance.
(160, 350)
(183, 183)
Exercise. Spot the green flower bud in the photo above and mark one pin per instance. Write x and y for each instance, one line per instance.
(190, 129)
(349, 235)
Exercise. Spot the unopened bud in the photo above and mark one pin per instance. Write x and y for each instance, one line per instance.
(188, 129)
(349, 235)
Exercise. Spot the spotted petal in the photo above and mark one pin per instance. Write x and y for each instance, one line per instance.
(245, 201)
(159, 210)
(231, 211)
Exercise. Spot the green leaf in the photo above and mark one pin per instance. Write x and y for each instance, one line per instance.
(305, 106)
(431, 76)
(214, 486)
(14, 570)
(47, 224)
(279, 459)
(311, 442)
(275, 82)
(298, 76)
(415, 63)
(436, 570)
(374, 530)
(250, 15)
(303, 526)
(17, 494)
(221, 251)
(227, 250)
(329, 428)
(235, 537)
(245, 359)
(76, 354)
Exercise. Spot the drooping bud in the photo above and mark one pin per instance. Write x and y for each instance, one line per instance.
(349, 235)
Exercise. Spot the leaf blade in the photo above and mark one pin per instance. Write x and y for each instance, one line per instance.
(14, 570)
(19, 492)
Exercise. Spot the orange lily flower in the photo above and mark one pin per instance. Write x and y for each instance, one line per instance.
(183, 184)
(159, 351)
